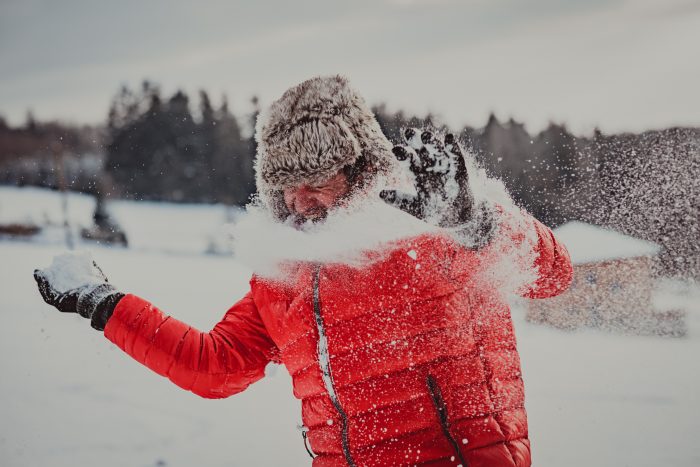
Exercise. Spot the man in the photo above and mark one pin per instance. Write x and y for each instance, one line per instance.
(408, 358)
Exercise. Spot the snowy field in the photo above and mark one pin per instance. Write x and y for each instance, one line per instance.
(164, 227)
(71, 398)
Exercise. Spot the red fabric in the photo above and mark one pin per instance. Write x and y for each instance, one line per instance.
(421, 311)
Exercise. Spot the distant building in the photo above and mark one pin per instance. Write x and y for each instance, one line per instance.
(612, 286)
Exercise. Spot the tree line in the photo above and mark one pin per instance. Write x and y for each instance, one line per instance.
(156, 147)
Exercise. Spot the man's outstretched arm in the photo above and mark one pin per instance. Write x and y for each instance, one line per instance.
(213, 364)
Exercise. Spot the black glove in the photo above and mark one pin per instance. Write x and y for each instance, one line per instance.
(443, 195)
(75, 284)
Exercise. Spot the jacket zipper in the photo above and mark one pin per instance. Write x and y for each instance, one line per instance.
(325, 364)
(306, 444)
(441, 408)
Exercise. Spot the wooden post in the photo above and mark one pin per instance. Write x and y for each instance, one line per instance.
(58, 153)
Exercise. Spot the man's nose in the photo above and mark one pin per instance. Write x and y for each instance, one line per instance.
(303, 198)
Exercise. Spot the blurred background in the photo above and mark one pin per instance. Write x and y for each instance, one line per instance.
(127, 128)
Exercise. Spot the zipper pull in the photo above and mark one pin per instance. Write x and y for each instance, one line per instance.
(304, 430)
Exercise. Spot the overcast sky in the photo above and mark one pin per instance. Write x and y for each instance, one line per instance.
(616, 64)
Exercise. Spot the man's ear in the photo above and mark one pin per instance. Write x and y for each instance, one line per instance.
(356, 169)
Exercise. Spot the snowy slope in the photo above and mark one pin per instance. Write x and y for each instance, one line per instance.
(149, 225)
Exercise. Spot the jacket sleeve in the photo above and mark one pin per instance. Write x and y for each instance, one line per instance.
(521, 255)
(214, 364)
(552, 264)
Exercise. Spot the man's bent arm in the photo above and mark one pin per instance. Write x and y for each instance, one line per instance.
(552, 264)
(517, 244)
(531, 248)
(214, 364)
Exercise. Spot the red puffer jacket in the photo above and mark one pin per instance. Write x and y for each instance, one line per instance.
(410, 360)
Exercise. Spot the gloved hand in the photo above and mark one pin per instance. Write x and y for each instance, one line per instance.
(443, 195)
(75, 284)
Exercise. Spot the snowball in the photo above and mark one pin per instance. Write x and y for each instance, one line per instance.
(72, 270)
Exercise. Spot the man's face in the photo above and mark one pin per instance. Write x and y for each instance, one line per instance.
(312, 202)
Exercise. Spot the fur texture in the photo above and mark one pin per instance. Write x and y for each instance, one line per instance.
(310, 133)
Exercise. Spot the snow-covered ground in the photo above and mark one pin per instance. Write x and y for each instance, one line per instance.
(166, 227)
(69, 397)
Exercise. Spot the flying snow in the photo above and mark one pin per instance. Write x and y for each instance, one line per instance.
(262, 243)
(367, 223)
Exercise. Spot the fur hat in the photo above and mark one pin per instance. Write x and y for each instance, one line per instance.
(310, 133)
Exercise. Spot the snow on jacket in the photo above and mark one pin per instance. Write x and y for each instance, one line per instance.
(409, 360)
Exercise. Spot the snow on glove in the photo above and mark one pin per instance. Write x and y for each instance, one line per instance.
(75, 284)
(443, 195)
